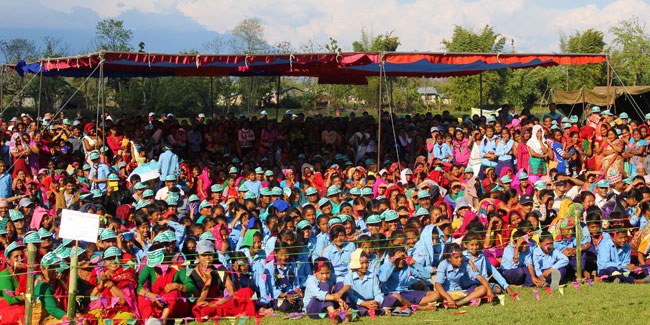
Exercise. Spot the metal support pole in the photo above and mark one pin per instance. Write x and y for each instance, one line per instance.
(381, 70)
(480, 87)
(72, 288)
(211, 100)
(101, 76)
(40, 87)
(29, 294)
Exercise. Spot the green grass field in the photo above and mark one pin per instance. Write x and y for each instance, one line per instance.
(604, 303)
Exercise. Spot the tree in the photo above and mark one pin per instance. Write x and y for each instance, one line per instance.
(588, 75)
(630, 50)
(215, 45)
(249, 37)
(465, 90)
(17, 49)
(112, 35)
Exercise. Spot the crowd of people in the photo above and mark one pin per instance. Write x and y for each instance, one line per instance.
(249, 216)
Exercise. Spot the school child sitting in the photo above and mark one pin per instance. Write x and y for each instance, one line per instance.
(517, 261)
(428, 249)
(549, 263)
(474, 251)
(614, 260)
(364, 292)
(320, 292)
(338, 252)
(398, 276)
(456, 282)
(285, 288)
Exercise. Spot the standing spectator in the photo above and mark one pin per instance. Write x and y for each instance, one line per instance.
(168, 164)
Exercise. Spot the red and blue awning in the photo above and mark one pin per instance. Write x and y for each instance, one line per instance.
(333, 67)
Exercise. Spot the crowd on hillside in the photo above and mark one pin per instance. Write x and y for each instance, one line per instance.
(248, 216)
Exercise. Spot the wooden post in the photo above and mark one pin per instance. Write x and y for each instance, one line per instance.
(480, 87)
(577, 221)
(608, 82)
(40, 87)
(277, 98)
(381, 68)
(29, 294)
(72, 287)
(2, 82)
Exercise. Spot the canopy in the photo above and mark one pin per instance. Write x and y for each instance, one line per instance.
(621, 99)
(332, 67)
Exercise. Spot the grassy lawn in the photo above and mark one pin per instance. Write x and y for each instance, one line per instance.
(604, 303)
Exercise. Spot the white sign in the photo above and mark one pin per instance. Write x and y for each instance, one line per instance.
(76, 225)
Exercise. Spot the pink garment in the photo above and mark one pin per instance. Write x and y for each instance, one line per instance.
(37, 217)
(467, 218)
(461, 152)
(207, 182)
(216, 232)
(523, 155)
(378, 182)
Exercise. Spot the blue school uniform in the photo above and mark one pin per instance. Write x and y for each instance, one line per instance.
(322, 240)
(257, 266)
(571, 243)
(486, 269)
(396, 281)
(611, 256)
(304, 261)
(363, 289)
(339, 258)
(542, 261)
(425, 252)
(457, 279)
(374, 262)
(525, 258)
(312, 291)
(640, 221)
(283, 279)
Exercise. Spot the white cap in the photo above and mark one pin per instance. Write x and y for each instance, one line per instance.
(201, 115)
(151, 114)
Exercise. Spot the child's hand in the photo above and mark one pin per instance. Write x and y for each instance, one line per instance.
(490, 295)
(510, 292)
(451, 304)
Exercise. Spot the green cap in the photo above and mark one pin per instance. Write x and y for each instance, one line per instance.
(333, 221)
(311, 191)
(607, 112)
(373, 219)
(107, 234)
(422, 212)
(207, 236)
(268, 173)
(98, 193)
(15, 215)
(113, 177)
(112, 252)
(86, 167)
(286, 191)
(265, 191)
(497, 188)
(32, 237)
(573, 119)
(156, 257)
(232, 170)
(595, 109)
(276, 191)
(355, 191)
(12, 247)
(94, 155)
(216, 188)
(333, 190)
(172, 200)
(506, 179)
(302, 224)
(140, 186)
(147, 193)
(423, 195)
(523, 175)
(170, 178)
(390, 215)
(366, 191)
(322, 202)
(250, 196)
(259, 170)
(43, 233)
(66, 122)
(540, 185)
(49, 259)
(602, 183)
(205, 204)
(242, 187)
(194, 198)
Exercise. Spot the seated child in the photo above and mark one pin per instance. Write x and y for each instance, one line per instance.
(285, 288)
(320, 293)
(549, 263)
(364, 292)
(338, 252)
(614, 260)
(473, 250)
(456, 283)
(398, 277)
(517, 261)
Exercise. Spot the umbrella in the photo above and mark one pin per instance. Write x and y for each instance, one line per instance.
(146, 171)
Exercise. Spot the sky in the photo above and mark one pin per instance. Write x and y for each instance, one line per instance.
(170, 26)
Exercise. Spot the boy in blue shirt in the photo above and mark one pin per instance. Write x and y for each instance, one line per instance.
(474, 252)
(549, 263)
(614, 260)
(364, 292)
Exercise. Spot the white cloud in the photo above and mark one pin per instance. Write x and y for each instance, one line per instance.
(420, 24)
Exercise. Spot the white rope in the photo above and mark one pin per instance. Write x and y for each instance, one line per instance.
(18, 94)
(390, 109)
(291, 57)
(636, 106)
(62, 107)
(197, 61)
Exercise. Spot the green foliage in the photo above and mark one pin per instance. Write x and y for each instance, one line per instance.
(18, 49)
(465, 91)
(249, 37)
(589, 75)
(112, 35)
(630, 51)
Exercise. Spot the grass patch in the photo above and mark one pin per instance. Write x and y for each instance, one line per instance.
(604, 303)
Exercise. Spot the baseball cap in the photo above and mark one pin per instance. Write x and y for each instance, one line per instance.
(205, 247)
(526, 199)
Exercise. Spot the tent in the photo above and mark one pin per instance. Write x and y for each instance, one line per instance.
(634, 100)
(331, 67)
